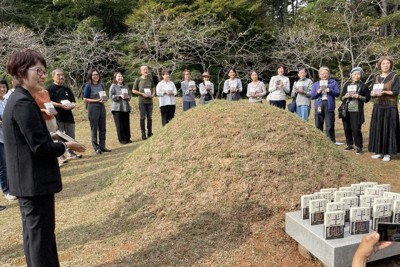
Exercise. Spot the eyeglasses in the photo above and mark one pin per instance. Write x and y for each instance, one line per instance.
(39, 71)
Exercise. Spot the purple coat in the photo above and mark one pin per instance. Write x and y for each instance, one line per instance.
(333, 92)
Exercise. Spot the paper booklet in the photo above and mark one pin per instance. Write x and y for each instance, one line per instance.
(65, 138)
(331, 191)
(66, 102)
(381, 213)
(359, 220)
(124, 92)
(305, 204)
(396, 211)
(349, 188)
(391, 195)
(386, 187)
(367, 201)
(352, 89)
(317, 209)
(350, 202)
(323, 84)
(340, 194)
(382, 200)
(335, 206)
(50, 108)
(323, 195)
(192, 84)
(360, 188)
(334, 224)
(103, 95)
(376, 191)
(147, 91)
(377, 88)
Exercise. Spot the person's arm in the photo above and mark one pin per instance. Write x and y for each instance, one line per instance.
(334, 90)
(369, 246)
(202, 89)
(239, 85)
(263, 90)
(344, 94)
(314, 91)
(226, 87)
(174, 88)
(160, 90)
(184, 88)
(395, 88)
(113, 93)
(271, 86)
(248, 90)
(286, 85)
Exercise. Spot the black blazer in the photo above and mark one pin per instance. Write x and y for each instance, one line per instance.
(362, 91)
(31, 154)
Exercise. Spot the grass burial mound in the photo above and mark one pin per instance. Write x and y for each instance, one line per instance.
(212, 188)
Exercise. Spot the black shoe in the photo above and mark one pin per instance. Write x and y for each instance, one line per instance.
(348, 148)
(123, 143)
(144, 136)
(129, 141)
(359, 151)
(2, 207)
(150, 135)
(103, 149)
(98, 151)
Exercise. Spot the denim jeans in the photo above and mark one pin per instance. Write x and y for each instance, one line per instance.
(3, 170)
(303, 112)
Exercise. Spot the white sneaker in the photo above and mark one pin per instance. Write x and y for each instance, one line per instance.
(377, 156)
(386, 158)
(10, 197)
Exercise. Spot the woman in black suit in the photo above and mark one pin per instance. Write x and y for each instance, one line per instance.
(34, 175)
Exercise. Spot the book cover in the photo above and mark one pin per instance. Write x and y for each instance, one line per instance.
(340, 194)
(305, 204)
(349, 188)
(124, 92)
(61, 136)
(147, 91)
(370, 184)
(376, 191)
(352, 89)
(66, 103)
(317, 209)
(396, 211)
(391, 195)
(349, 202)
(386, 187)
(192, 84)
(331, 191)
(103, 95)
(360, 188)
(377, 88)
(383, 200)
(322, 195)
(335, 206)
(367, 201)
(359, 220)
(334, 224)
(381, 213)
(323, 84)
(50, 108)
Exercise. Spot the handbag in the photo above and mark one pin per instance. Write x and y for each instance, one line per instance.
(292, 106)
(342, 110)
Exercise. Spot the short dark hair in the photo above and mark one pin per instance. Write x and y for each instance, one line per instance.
(281, 66)
(20, 61)
(3, 81)
(90, 73)
(163, 72)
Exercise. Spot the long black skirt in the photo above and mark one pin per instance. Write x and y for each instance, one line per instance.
(384, 131)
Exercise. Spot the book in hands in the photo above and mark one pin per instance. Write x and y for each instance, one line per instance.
(124, 92)
(192, 86)
(207, 85)
(147, 91)
(103, 95)
(61, 136)
(66, 103)
(377, 89)
(352, 89)
(323, 85)
(50, 108)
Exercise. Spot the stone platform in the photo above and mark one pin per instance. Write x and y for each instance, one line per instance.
(333, 253)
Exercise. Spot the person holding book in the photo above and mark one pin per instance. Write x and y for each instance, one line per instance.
(256, 89)
(63, 100)
(233, 86)
(279, 86)
(94, 95)
(188, 88)
(384, 131)
(120, 108)
(324, 92)
(166, 92)
(144, 87)
(33, 172)
(3, 166)
(369, 246)
(354, 95)
(302, 92)
(206, 89)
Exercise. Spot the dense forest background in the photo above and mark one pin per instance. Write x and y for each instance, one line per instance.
(212, 35)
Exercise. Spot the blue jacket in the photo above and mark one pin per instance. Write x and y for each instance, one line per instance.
(333, 92)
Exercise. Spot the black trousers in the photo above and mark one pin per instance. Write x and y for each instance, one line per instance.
(146, 111)
(97, 119)
(38, 225)
(167, 113)
(122, 125)
(328, 118)
(278, 103)
(352, 129)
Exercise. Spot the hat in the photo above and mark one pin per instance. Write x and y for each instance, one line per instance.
(205, 74)
(357, 69)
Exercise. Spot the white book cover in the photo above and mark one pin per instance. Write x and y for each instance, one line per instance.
(147, 91)
(323, 84)
(352, 89)
(349, 188)
(339, 194)
(371, 184)
(349, 202)
(359, 220)
(50, 108)
(66, 102)
(300, 84)
(335, 206)
(124, 91)
(360, 188)
(383, 200)
(377, 88)
(367, 200)
(329, 190)
(305, 204)
(376, 191)
(381, 213)
(396, 211)
(192, 84)
(207, 83)
(103, 95)
(334, 224)
(386, 187)
(317, 209)
(323, 195)
(391, 195)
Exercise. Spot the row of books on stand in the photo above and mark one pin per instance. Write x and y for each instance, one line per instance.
(362, 206)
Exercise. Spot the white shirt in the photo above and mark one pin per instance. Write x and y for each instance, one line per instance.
(161, 89)
(278, 93)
